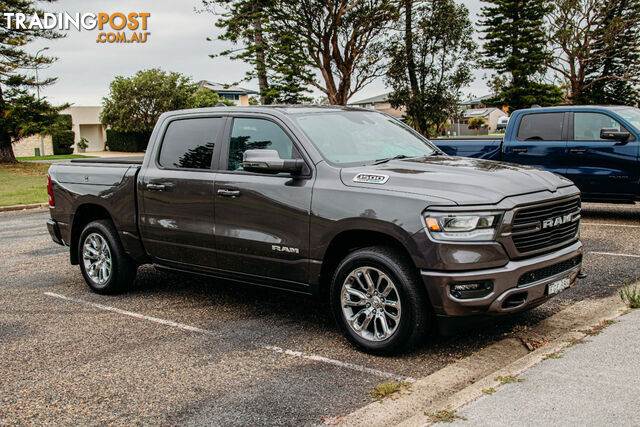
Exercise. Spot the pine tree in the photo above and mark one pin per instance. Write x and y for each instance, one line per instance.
(515, 44)
(21, 113)
(617, 53)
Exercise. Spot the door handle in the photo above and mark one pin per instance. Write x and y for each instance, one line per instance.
(519, 150)
(578, 150)
(156, 187)
(225, 192)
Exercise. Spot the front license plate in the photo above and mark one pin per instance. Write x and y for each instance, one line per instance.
(558, 286)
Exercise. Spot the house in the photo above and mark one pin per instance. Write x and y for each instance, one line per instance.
(236, 94)
(86, 124)
(490, 115)
(380, 103)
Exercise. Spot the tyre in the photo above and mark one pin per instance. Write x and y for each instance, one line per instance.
(105, 266)
(378, 301)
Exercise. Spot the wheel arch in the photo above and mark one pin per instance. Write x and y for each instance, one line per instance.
(84, 214)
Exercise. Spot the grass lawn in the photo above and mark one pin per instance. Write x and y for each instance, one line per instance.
(23, 183)
(56, 157)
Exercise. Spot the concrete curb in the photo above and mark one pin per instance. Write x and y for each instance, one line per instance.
(23, 207)
(462, 382)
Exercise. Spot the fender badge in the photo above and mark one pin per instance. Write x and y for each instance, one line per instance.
(368, 178)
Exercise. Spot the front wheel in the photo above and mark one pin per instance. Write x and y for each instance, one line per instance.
(378, 301)
(105, 266)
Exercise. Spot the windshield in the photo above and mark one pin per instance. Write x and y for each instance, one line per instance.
(361, 136)
(630, 114)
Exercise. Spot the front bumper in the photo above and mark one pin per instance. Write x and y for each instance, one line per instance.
(507, 295)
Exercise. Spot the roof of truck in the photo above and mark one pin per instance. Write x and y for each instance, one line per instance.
(284, 109)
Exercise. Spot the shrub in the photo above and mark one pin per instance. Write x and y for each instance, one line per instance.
(127, 141)
(630, 294)
(62, 141)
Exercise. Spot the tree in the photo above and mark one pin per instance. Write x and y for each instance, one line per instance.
(207, 98)
(339, 40)
(135, 103)
(430, 61)
(477, 123)
(597, 38)
(281, 78)
(516, 44)
(616, 52)
(21, 113)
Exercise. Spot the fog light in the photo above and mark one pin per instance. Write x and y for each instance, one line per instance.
(466, 290)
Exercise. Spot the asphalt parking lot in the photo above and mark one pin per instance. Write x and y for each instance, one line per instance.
(188, 350)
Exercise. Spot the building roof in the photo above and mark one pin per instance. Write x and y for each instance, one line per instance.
(478, 112)
(374, 99)
(477, 101)
(227, 89)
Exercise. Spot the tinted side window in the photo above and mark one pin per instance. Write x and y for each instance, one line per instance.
(541, 127)
(253, 134)
(189, 143)
(587, 126)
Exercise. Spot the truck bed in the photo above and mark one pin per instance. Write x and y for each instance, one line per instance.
(482, 147)
(125, 160)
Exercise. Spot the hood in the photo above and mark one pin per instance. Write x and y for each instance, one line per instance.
(462, 180)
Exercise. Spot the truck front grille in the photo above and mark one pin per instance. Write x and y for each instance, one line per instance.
(546, 225)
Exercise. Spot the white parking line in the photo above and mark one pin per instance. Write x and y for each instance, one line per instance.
(189, 328)
(609, 224)
(337, 363)
(614, 254)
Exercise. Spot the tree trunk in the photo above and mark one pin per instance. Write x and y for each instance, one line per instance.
(6, 150)
(419, 113)
(261, 64)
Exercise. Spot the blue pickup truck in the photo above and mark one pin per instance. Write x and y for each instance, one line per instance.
(595, 147)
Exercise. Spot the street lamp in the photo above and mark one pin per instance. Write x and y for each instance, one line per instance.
(38, 91)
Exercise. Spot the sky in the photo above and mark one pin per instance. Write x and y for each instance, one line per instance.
(178, 42)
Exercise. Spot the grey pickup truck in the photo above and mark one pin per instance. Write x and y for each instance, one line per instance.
(342, 203)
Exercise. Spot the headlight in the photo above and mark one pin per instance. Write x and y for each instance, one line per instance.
(463, 226)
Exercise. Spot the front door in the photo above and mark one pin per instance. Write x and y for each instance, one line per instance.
(602, 168)
(177, 203)
(262, 220)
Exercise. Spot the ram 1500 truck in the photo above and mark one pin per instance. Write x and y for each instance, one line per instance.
(338, 202)
(595, 147)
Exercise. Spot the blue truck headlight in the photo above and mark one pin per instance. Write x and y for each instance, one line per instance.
(463, 226)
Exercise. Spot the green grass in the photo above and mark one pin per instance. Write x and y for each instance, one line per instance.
(388, 389)
(23, 183)
(630, 294)
(508, 379)
(55, 157)
(444, 416)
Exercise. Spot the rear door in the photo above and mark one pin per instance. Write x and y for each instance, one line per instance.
(262, 220)
(601, 168)
(176, 188)
(540, 140)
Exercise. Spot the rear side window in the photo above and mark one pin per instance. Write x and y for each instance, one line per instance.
(541, 127)
(255, 134)
(189, 143)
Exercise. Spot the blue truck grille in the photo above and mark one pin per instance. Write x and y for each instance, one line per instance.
(530, 234)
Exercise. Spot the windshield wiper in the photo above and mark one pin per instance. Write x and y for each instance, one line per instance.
(398, 157)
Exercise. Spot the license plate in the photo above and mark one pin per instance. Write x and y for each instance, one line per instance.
(558, 286)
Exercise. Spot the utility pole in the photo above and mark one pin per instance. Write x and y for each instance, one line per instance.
(38, 91)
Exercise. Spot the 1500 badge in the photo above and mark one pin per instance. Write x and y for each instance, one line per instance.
(370, 178)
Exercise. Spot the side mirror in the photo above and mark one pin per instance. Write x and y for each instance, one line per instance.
(615, 134)
(269, 161)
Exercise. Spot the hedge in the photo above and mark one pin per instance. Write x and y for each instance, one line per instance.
(62, 141)
(127, 141)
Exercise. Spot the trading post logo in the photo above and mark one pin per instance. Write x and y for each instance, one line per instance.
(114, 27)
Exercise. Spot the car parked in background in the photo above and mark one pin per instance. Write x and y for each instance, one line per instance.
(595, 147)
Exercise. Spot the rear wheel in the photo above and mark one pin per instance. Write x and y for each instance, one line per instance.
(378, 301)
(105, 266)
